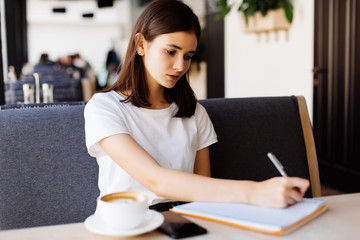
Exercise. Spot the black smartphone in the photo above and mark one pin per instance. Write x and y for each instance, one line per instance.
(177, 226)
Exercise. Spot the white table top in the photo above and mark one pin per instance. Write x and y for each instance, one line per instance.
(340, 221)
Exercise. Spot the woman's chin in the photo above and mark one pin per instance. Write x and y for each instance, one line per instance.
(169, 84)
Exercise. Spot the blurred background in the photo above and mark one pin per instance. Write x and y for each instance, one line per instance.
(78, 45)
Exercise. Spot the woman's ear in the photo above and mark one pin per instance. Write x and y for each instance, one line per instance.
(139, 42)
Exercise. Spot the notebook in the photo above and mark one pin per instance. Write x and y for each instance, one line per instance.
(262, 219)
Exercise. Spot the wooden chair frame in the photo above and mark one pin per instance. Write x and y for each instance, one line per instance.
(310, 147)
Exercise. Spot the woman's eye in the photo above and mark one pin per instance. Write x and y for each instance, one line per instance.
(170, 52)
(187, 57)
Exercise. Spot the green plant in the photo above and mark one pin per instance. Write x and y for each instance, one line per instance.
(249, 7)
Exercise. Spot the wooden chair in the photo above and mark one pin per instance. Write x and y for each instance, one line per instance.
(249, 128)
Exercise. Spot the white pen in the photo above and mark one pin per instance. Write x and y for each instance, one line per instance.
(277, 164)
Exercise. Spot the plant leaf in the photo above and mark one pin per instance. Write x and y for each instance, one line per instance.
(263, 8)
(221, 3)
(249, 7)
(289, 11)
(223, 12)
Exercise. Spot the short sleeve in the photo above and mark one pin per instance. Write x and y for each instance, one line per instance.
(103, 118)
(206, 132)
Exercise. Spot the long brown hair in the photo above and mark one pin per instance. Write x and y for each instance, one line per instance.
(159, 17)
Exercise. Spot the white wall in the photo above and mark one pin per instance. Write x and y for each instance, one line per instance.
(274, 68)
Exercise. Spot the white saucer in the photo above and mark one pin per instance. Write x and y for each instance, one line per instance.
(153, 220)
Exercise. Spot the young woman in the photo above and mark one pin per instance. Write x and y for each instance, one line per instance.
(148, 132)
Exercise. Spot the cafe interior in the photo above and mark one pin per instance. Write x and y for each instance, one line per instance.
(59, 53)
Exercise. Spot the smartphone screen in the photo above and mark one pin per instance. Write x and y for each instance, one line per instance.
(176, 226)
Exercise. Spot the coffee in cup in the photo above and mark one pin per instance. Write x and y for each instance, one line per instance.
(123, 210)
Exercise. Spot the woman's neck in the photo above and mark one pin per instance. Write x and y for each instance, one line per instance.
(157, 98)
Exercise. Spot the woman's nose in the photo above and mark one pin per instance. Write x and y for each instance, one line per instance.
(179, 65)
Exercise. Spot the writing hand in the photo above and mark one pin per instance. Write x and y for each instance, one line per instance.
(279, 192)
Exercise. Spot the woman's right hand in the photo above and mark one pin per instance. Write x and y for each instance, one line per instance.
(278, 192)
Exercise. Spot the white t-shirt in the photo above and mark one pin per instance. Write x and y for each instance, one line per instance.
(171, 141)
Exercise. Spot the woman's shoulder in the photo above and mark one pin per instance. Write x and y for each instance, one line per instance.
(104, 97)
(200, 109)
(200, 114)
(104, 100)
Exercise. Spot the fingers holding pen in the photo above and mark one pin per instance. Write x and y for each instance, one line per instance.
(279, 192)
(295, 188)
(287, 188)
(298, 185)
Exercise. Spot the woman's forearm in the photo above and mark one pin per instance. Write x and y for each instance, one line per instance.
(277, 192)
(169, 183)
(182, 186)
(178, 185)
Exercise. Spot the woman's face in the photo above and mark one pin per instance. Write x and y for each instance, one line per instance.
(167, 58)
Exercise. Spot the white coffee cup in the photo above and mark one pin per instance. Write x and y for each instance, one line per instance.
(123, 210)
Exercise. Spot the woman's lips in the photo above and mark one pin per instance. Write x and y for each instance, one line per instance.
(173, 77)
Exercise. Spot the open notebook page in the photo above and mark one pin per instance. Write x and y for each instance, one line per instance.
(270, 219)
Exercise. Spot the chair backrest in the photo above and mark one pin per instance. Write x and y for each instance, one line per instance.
(249, 128)
(41, 105)
(46, 175)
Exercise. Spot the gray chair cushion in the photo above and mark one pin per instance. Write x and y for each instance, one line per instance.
(46, 174)
(40, 105)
